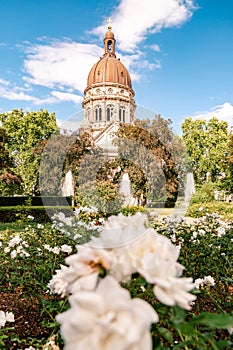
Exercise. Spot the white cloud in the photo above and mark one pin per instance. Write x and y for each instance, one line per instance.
(67, 97)
(66, 66)
(155, 47)
(222, 112)
(134, 19)
(63, 66)
(60, 64)
(4, 82)
(16, 93)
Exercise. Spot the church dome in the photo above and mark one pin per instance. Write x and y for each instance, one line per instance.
(109, 69)
(109, 96)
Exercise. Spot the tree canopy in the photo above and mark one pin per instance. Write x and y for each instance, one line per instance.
(26, 130)
(206, 143)
(9, 181)
(145, 152)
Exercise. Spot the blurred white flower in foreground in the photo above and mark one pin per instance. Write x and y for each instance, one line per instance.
(155, 258)
(107, 319)
(120, 230)
(57, 284)
(148, 253)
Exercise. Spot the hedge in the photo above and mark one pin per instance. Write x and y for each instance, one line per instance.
(35, 201)
(40, 214)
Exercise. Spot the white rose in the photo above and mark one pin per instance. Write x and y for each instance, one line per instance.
(120, 230)
(107, 319)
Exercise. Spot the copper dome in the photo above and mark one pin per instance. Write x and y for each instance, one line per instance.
(109, 69)
(109, 35)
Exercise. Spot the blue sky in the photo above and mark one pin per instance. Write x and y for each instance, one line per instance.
(179, 54)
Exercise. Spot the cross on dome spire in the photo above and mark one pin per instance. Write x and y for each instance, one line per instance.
(109, 23)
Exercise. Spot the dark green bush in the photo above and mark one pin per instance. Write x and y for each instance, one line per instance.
(35, 201)
(40, 214)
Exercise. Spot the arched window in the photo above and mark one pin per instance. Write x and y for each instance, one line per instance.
(98, 113)
(109, 113)
(131, 116)
(109, 45)
(122, 114)
(88, 114)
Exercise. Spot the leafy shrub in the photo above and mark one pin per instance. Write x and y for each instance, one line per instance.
(204, 194)
(222, 208)
(132, 209)
(102, 195)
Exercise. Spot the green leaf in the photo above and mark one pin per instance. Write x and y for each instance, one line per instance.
(214, 320)
(222, 344)
(166, 334)
(177, 315)
(186, 329)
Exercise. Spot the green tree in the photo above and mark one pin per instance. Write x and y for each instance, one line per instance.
(9, 181)
(148, 160)
(227, 181)
(206, 143)
(26, 130)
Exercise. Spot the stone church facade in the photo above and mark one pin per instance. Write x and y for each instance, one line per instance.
(109, 96)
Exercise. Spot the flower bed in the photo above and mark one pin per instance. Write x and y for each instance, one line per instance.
(132, 284)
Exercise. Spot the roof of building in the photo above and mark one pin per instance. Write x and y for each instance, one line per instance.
(109, 69)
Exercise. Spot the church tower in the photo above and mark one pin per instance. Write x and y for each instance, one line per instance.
(109, 96)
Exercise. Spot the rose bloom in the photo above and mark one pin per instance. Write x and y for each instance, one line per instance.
(155, 258)
(107, 319)
(6, 317)
(120, 230)
(57, 284)
(209, 280)
(65, 248)
(14, 241)
(82, 272)
(148, 253)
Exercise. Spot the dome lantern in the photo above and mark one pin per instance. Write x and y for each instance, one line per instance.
(109, 41)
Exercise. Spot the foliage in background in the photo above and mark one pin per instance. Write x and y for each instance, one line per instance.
(224, 209)
(204, 193)
(102, 194)
(228, 181)
(9, 181)
(25, 131)
(206, 143)
(149, 152)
